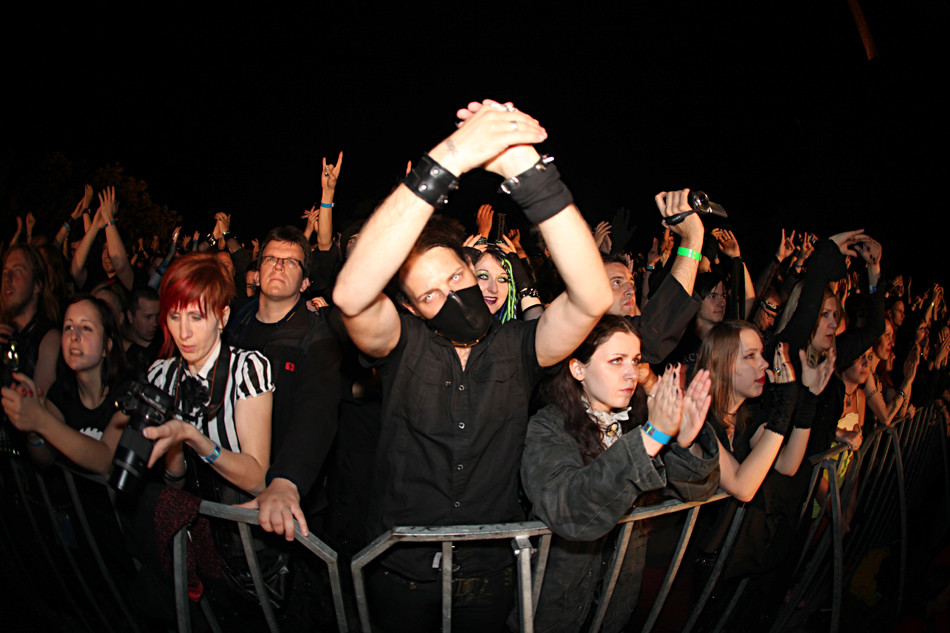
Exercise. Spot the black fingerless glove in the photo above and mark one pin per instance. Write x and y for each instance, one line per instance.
(520, 275)
(805, 408)
(779, 403)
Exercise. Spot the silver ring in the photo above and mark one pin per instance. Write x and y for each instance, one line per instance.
(650, 395)
(509, 107)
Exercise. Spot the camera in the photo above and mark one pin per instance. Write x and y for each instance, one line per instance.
(9, 360)
(146, 405)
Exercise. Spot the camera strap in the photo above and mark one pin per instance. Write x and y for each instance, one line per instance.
(219, 383)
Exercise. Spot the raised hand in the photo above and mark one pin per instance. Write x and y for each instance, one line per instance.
(672, 202)
(696, 403)
(514, 235)
(331, 173)
(483, 218)
(30, 222)
(107, 205)
(507, 246)
(727, 242)
(495, 136)
(175, 234)
(472, 242)
(312, 216)
(816, 378)
(602, 237)
(782, 370)
(870, 250)
(86, 197)
(786, 246)
(653, 255)
(665, 404)
(847, 240)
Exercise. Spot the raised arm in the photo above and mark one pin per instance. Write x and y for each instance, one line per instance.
(328, 179)
(742, 479)
(370, 317)
(120, 260)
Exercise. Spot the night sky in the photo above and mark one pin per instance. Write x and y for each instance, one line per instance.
(776, 112)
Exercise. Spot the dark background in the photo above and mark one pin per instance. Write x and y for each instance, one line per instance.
(775, 111)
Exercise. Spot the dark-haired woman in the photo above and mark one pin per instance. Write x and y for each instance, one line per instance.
(585, 464)
(78, 417)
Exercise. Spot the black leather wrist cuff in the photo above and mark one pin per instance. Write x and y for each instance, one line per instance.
(431, 181)
(539, 191)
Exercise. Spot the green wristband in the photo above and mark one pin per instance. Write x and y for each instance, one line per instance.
(688, 252)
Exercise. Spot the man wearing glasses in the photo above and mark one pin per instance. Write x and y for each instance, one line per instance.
(305, 359)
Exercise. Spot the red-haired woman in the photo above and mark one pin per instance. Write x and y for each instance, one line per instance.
(231, 389)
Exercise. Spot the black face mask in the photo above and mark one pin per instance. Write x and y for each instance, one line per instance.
(464, 318)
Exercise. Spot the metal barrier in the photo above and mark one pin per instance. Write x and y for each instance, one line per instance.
(891, 462)
(244, 518)
(529, 589)
(70, 575)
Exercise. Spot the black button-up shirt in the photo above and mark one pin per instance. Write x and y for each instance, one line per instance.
(451, 440)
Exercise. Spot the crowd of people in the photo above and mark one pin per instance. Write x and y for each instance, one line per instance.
(403, 372)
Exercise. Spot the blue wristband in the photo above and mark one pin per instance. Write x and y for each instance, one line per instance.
(325, 205)
(656, 434)
(213, 457)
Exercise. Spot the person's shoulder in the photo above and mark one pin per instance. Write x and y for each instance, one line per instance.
(248, 355)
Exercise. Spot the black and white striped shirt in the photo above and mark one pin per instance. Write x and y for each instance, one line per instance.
(249, 375)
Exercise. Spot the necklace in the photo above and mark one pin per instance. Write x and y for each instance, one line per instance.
(848, 396)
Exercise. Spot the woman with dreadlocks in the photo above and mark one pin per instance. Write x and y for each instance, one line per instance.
(505, 283)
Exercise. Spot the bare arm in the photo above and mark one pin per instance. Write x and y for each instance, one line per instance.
(742, 481)
(120, 259)
(246, 469)
(691, 232)
(369, 316)
(328, 179)
(32, 414)
(45, 372)
(587, 295)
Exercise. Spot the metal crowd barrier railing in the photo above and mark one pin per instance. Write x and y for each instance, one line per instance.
(891, 461)
(888, 465)
(529, 586)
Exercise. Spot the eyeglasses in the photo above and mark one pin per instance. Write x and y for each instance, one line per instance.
(286, 262)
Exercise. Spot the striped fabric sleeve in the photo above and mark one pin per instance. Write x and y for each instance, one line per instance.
(255, 372)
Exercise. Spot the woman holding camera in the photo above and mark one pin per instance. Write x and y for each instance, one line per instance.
(227, 392)
(78, 417)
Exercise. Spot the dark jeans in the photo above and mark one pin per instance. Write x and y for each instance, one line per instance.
(479, 605)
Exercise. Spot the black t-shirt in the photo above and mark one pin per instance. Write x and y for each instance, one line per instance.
(91, 422)
(305, 361)
(139, 358)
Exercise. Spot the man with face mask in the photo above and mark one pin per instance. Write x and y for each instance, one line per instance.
(456, 382)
